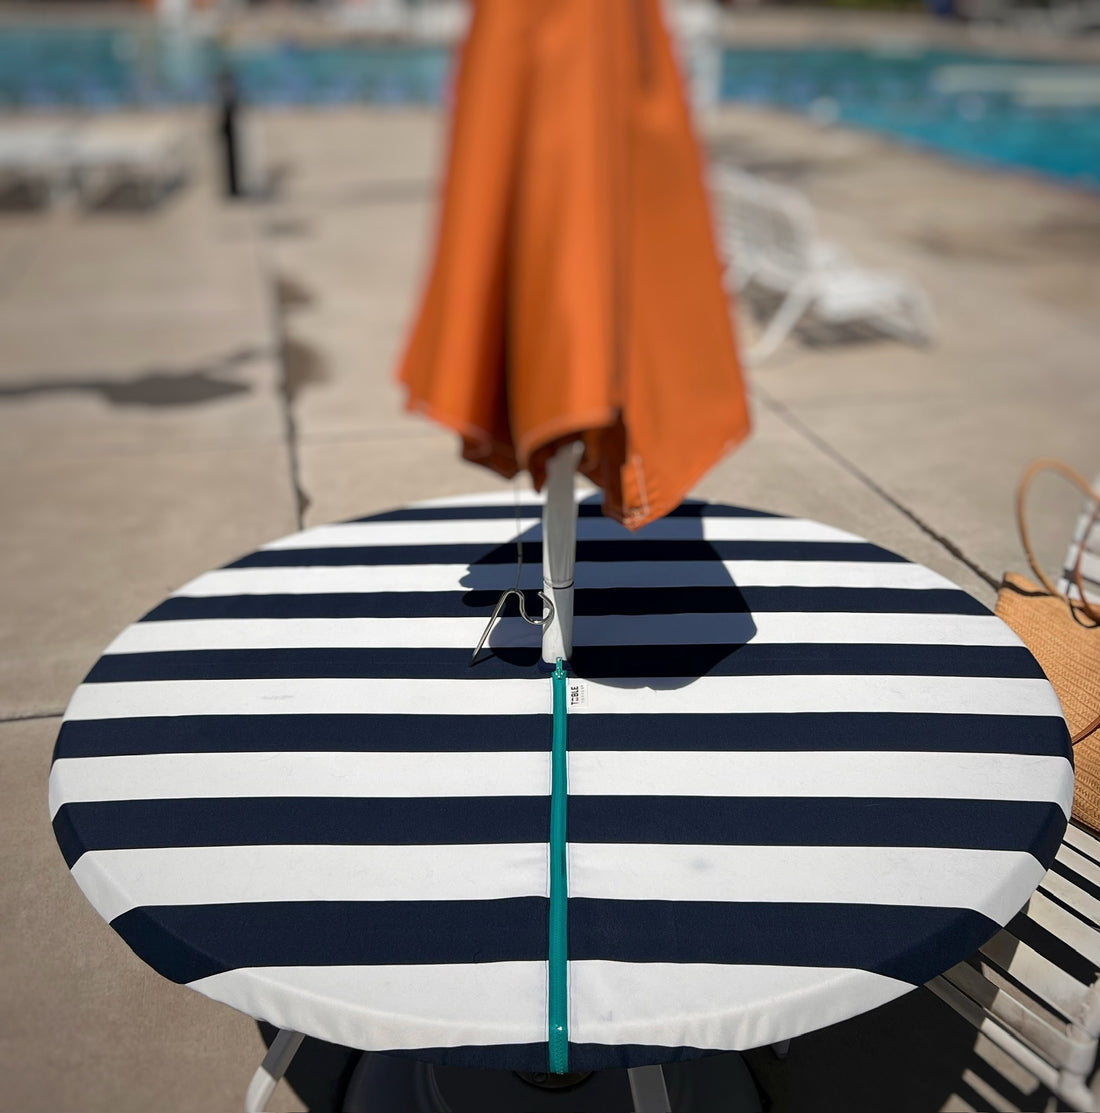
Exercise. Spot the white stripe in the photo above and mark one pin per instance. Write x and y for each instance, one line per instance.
(379, 1008)
(356, 578)
(500, 531)
(732, 695)
(704, 695)
(822, 773)
(117, 880)
(330, 696)
(301, 773)
(732, 1007)
(901, 775)
(526, 496)
(764, 628)
(994, 882)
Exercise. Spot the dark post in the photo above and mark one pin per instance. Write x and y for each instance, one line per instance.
(229, 132)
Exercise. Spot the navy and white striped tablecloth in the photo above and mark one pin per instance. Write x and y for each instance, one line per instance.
(805, 776)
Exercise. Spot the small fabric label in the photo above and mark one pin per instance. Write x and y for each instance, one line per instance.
(578, 694)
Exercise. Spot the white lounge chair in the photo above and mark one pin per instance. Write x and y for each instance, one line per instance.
(372, 17)
(149, 155)
(34, 157)
(770, 239)
(52, 159)
(1034, 989)
(443, 21)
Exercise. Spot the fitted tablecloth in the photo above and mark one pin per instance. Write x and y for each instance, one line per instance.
(805, 776)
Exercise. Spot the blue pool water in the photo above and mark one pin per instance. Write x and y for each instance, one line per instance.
(117, 67)
(937, 99)
(903, 95)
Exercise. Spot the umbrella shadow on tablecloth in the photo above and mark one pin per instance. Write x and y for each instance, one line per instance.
(654, 609)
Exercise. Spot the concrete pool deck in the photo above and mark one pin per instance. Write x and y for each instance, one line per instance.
(182, 385)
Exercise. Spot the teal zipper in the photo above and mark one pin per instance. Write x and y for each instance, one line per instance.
(558, 990)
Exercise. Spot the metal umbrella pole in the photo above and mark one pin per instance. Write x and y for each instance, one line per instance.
(559, 552)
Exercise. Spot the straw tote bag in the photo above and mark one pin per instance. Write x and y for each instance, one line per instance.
(1063, 633)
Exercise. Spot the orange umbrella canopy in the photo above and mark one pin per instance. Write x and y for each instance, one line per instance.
(576, 290)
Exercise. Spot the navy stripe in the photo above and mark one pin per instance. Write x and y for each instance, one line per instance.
(747, 821)
(1036, 827)
(527, 1057)
(795, 732)
(202, 734)
(592, 552)
(334, 933)
(268, 821)
(630, 663)
(532, 1057)
(591, 507)
(870, 937)
(588, 601)
(825, 731)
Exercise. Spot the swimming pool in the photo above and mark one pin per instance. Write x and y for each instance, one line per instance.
(1015, 114)
(101, 68)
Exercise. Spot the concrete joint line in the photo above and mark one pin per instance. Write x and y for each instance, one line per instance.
(277, 325)
(31, 717)
(803, 430)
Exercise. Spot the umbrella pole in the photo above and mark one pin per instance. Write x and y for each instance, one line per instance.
(559, 550)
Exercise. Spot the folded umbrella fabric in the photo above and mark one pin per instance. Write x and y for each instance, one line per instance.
(576, 289)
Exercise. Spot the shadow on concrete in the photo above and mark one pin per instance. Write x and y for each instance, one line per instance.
(302, 364)
(398, 192)
(290, 294)
(288, 227)
(272, 185)
(154, 389)
(810, 330)
(134, 197)
(23, 196)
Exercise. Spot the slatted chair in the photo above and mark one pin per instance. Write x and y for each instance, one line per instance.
(1034, 988)
(769, 237)
(1090, 562)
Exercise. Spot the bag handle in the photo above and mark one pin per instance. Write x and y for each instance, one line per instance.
(1078, 480)
(1089, 610)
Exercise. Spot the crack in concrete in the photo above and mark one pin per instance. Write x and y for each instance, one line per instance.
(290, 425)
(31, 717)
(276, 306)
(788, 417)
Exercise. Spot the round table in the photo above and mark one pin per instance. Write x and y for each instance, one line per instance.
(805, 776)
